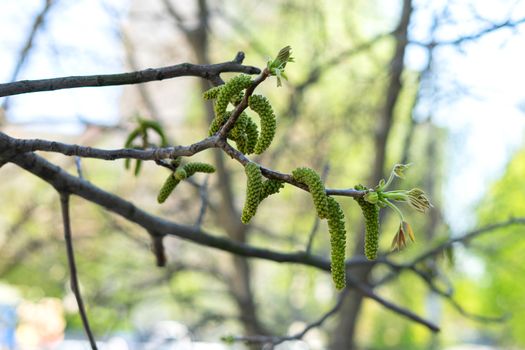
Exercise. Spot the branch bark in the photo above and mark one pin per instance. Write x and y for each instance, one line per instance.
(206, 71)
(64, 204)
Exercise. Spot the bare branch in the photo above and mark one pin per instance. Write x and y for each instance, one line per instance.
(207, 71)
(448, 296)
(29, 145)
(64, 203)
(203, 193)
(368, 292)
(472, 37)
(465, 238)
(12, 146)
(275, 340)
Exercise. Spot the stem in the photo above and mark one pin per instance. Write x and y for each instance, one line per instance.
(64, 201)
(389, 182)
(399, 196)
(396, 209)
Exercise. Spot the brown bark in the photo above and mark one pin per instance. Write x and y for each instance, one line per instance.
(344, 335)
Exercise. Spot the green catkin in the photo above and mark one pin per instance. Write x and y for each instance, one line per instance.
(239, 128)
(260, 105)
(180, 174)
(138, 167)
(192, 168)
(129, 143)
(270, 187)
(212, 93)
(155, 126)
(217, 122)
(241, 142)
(253, 191)
(229, 91)
(336, 229)
(166, 189)
(315, 185)
(132, 135)
(252, 135)
(371, 214)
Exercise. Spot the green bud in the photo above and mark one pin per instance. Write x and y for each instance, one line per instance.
(418, 200)
(372, 197)
(399, 169)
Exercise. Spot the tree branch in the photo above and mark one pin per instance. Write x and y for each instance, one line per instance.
(275, 340)
(24, 53)
(207, 71)
(65, 182)
(64, 203)
(494, 27)
(10, 146)
(30, 145)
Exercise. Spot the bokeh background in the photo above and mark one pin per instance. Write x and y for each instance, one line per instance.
(458, 115)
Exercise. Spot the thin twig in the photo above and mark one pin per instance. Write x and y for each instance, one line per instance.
(38, 23)
(472, 37)
(275, 340)
(64, 203)
(203, 193)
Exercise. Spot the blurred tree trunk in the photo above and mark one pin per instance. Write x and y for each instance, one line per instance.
(229, 216)
(344, 335)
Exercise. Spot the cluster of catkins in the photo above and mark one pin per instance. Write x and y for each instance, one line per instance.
(245, 132)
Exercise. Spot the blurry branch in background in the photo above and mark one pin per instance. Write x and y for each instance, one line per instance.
(275, 340)
(466, 238)
(146, 97)
(429, 276)
(203, 193)
(26, 250)
(64, 204)
(448, 295)
(472, 37)
(38, 23)
(313, 76)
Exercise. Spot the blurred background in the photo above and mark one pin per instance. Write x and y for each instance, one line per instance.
(435, 83)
